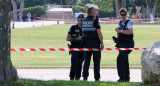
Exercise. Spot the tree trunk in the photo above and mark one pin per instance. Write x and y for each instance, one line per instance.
(14, 5)
(7, 72)
(123, 3)
(117, 7)
(21, 6)
(151, 13)
(144, 10)
(150, 8)
(44, 4)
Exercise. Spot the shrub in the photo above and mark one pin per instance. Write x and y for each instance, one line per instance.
(102, 13)
(38, 10)
(78, 9)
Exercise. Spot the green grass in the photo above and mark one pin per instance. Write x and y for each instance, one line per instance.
(55, 37)
(72, 83)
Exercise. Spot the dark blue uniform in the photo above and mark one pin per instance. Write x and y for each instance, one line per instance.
(124, 41)
(77, 57)
(91, 40)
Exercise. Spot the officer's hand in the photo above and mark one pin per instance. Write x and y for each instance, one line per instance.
(79, 38)
(114, 40)
(102, 46)
(117, 30)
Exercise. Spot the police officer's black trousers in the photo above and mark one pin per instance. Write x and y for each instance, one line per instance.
(122, 60)
(77, 58)
(96, 60)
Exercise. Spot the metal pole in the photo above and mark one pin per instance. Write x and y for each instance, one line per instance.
(13, 25)
(63, 13)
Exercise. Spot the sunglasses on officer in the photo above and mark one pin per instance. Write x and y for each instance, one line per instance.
(123, 14)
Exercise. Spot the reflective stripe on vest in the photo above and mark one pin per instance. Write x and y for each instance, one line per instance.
(88, 29)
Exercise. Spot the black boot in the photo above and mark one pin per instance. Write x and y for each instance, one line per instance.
(97, 80)
(71, 78)
(127, 80)
(84, 79)
(77, 78)
(121, 80)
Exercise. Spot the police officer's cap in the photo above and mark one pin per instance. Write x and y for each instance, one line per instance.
(80, 16)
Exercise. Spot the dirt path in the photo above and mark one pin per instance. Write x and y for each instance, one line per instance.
(63, 74)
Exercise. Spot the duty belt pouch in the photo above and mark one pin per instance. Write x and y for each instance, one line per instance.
(69, 46)
(83, 42)
(117, 45)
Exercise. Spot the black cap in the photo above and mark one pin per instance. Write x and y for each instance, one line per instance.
(80, 16)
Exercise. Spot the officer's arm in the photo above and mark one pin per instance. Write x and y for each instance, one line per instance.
(68, 37)
(100, 36)
(127, 32)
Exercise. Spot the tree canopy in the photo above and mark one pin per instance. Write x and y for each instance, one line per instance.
(107, 7)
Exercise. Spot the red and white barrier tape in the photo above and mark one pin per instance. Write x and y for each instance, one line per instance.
(74, 49)
(59, 5)
(50, 19)
(116, 20)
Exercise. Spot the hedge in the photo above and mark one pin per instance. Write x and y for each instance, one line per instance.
(38, 10)
(102, 14)
(78, 9)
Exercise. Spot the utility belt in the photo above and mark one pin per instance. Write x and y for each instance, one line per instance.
(73, 46)
(125, 40)
(91, 38)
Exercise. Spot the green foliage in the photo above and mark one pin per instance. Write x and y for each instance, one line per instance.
(106, 8)
(78, 9)
(52, 1)
(151, 3)
(82, 2)
(144, 3)
(137, 3)
(32, 3)
(67, 2)
(158, 6)
(103, 14)
(38, 10)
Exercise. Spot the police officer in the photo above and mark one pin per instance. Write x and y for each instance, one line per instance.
(77, 57)
(92, 36)
(124, 40)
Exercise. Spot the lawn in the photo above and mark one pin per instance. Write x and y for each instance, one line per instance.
(72, 83)
(54, 36)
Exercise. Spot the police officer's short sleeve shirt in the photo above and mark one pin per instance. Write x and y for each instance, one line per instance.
(71, 31)
(130, 25)
(97, 25)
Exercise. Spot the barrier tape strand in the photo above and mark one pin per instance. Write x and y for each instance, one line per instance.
(74, 49)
